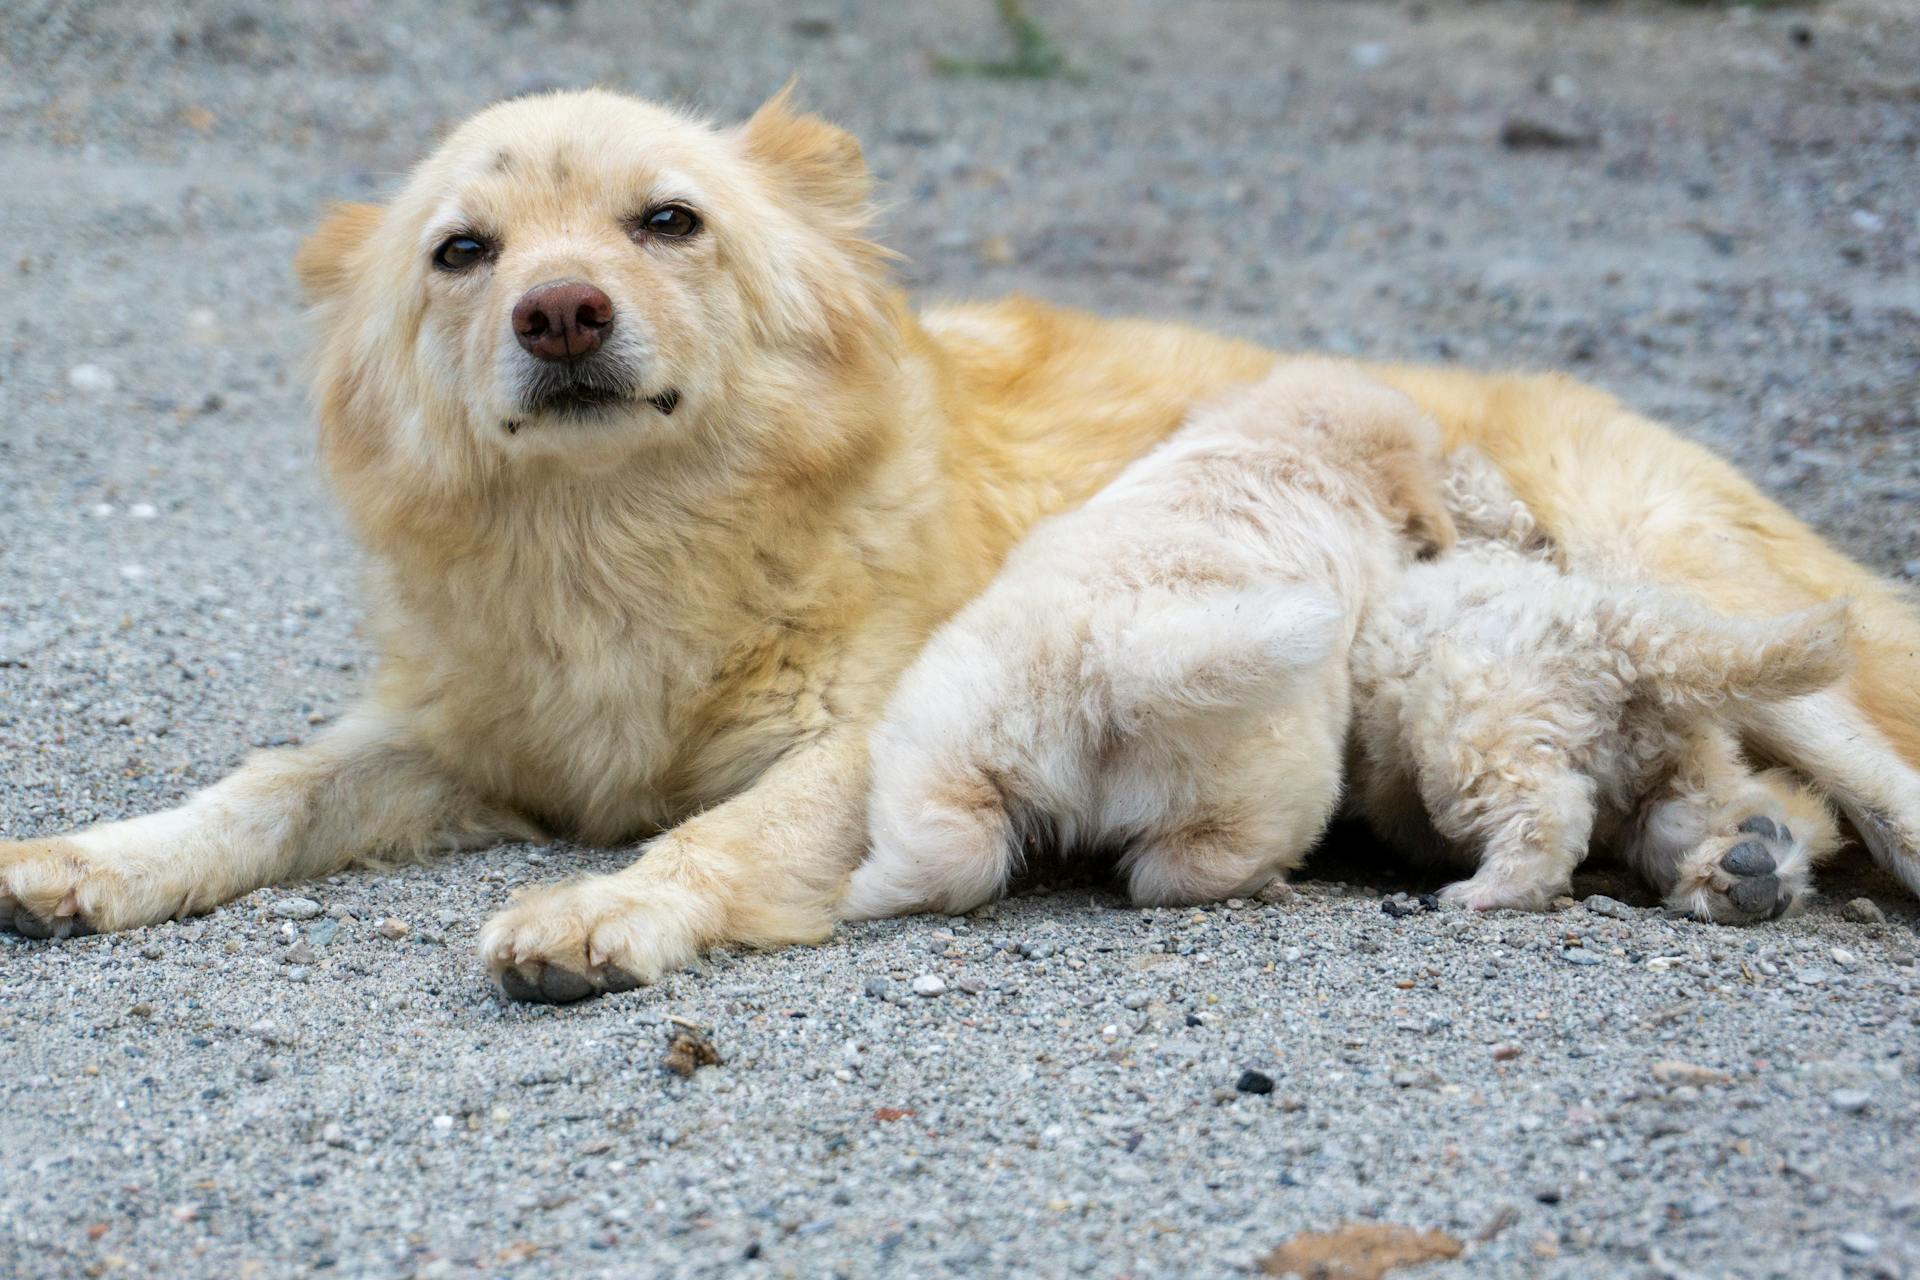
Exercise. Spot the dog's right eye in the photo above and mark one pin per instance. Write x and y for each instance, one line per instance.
(457, 253)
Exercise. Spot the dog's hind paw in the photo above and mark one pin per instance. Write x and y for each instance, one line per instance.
(1758, 871)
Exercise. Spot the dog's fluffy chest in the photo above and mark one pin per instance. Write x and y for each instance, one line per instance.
(604, 705)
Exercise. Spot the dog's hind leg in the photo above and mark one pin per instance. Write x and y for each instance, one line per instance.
(1828, 740)
(1723, 843)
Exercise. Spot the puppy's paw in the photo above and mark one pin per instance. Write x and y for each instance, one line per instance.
(1758, 871)
(1494, 893)
(53, 889)
(565, 942)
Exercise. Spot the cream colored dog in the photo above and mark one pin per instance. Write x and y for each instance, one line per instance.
(663, 485)
(1163, 673)
(1510, 716)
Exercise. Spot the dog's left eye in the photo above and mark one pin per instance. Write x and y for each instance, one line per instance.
(674, 221)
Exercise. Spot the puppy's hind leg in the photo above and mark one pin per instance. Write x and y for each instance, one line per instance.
(1205, 860)
(946, 846)
(1533, 832)
(1722, 843)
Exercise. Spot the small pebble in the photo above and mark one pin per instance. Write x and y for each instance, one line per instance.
(1859, 1243)
(392, 929)
(295, 909)
(91, 378)
(1254, 1082)
(879, 988)
(1688, 1073)
(1863, 911)
(1579, 955)
(928, 985)
(1601, 905)
(1850, 1101)
(1277, 892)
(1370, 56)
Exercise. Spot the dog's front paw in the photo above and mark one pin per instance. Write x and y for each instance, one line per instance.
(52, 889)
(565, 942)
(1759, 871)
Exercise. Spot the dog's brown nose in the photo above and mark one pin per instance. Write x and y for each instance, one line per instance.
(562, 320)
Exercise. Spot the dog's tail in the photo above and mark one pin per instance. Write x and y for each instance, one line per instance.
(1687, 656)
(1173, 656)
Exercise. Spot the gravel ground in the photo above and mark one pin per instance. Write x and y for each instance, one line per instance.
(1729, 241)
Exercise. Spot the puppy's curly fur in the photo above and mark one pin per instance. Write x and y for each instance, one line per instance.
(1510, 714)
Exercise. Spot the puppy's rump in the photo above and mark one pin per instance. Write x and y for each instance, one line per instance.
(1172, 656)
(1708, 659)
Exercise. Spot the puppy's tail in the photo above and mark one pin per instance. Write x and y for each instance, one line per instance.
(1687, 656)
(1174, 656)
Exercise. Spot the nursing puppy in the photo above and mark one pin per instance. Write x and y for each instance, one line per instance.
(1509, 716)
(662, 484)
(1163, 673)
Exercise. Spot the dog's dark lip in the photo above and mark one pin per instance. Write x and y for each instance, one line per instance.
(587, 400)
(579, 398)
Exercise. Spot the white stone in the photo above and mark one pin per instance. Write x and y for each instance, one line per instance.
(91, 378)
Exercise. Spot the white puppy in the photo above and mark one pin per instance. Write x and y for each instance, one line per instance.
(1508, 715)
(1161, 675)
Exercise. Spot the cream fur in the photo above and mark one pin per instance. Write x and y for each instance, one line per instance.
(1511, 715)
(681, 629)
(1162, 674)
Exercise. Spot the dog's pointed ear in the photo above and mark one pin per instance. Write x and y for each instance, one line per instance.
(821, 162)
(325, 261)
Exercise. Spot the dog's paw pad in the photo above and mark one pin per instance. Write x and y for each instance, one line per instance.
(1759, 895)
(545, 984)
(1749, 858)
(1757, 872)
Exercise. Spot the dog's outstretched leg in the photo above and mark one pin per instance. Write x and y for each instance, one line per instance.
(1725, 844)
(360, 790)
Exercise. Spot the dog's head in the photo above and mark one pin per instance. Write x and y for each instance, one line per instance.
(581, 276)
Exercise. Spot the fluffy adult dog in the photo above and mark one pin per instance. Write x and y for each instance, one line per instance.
(1163, 673)
(1509, 716)
(663, 485)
